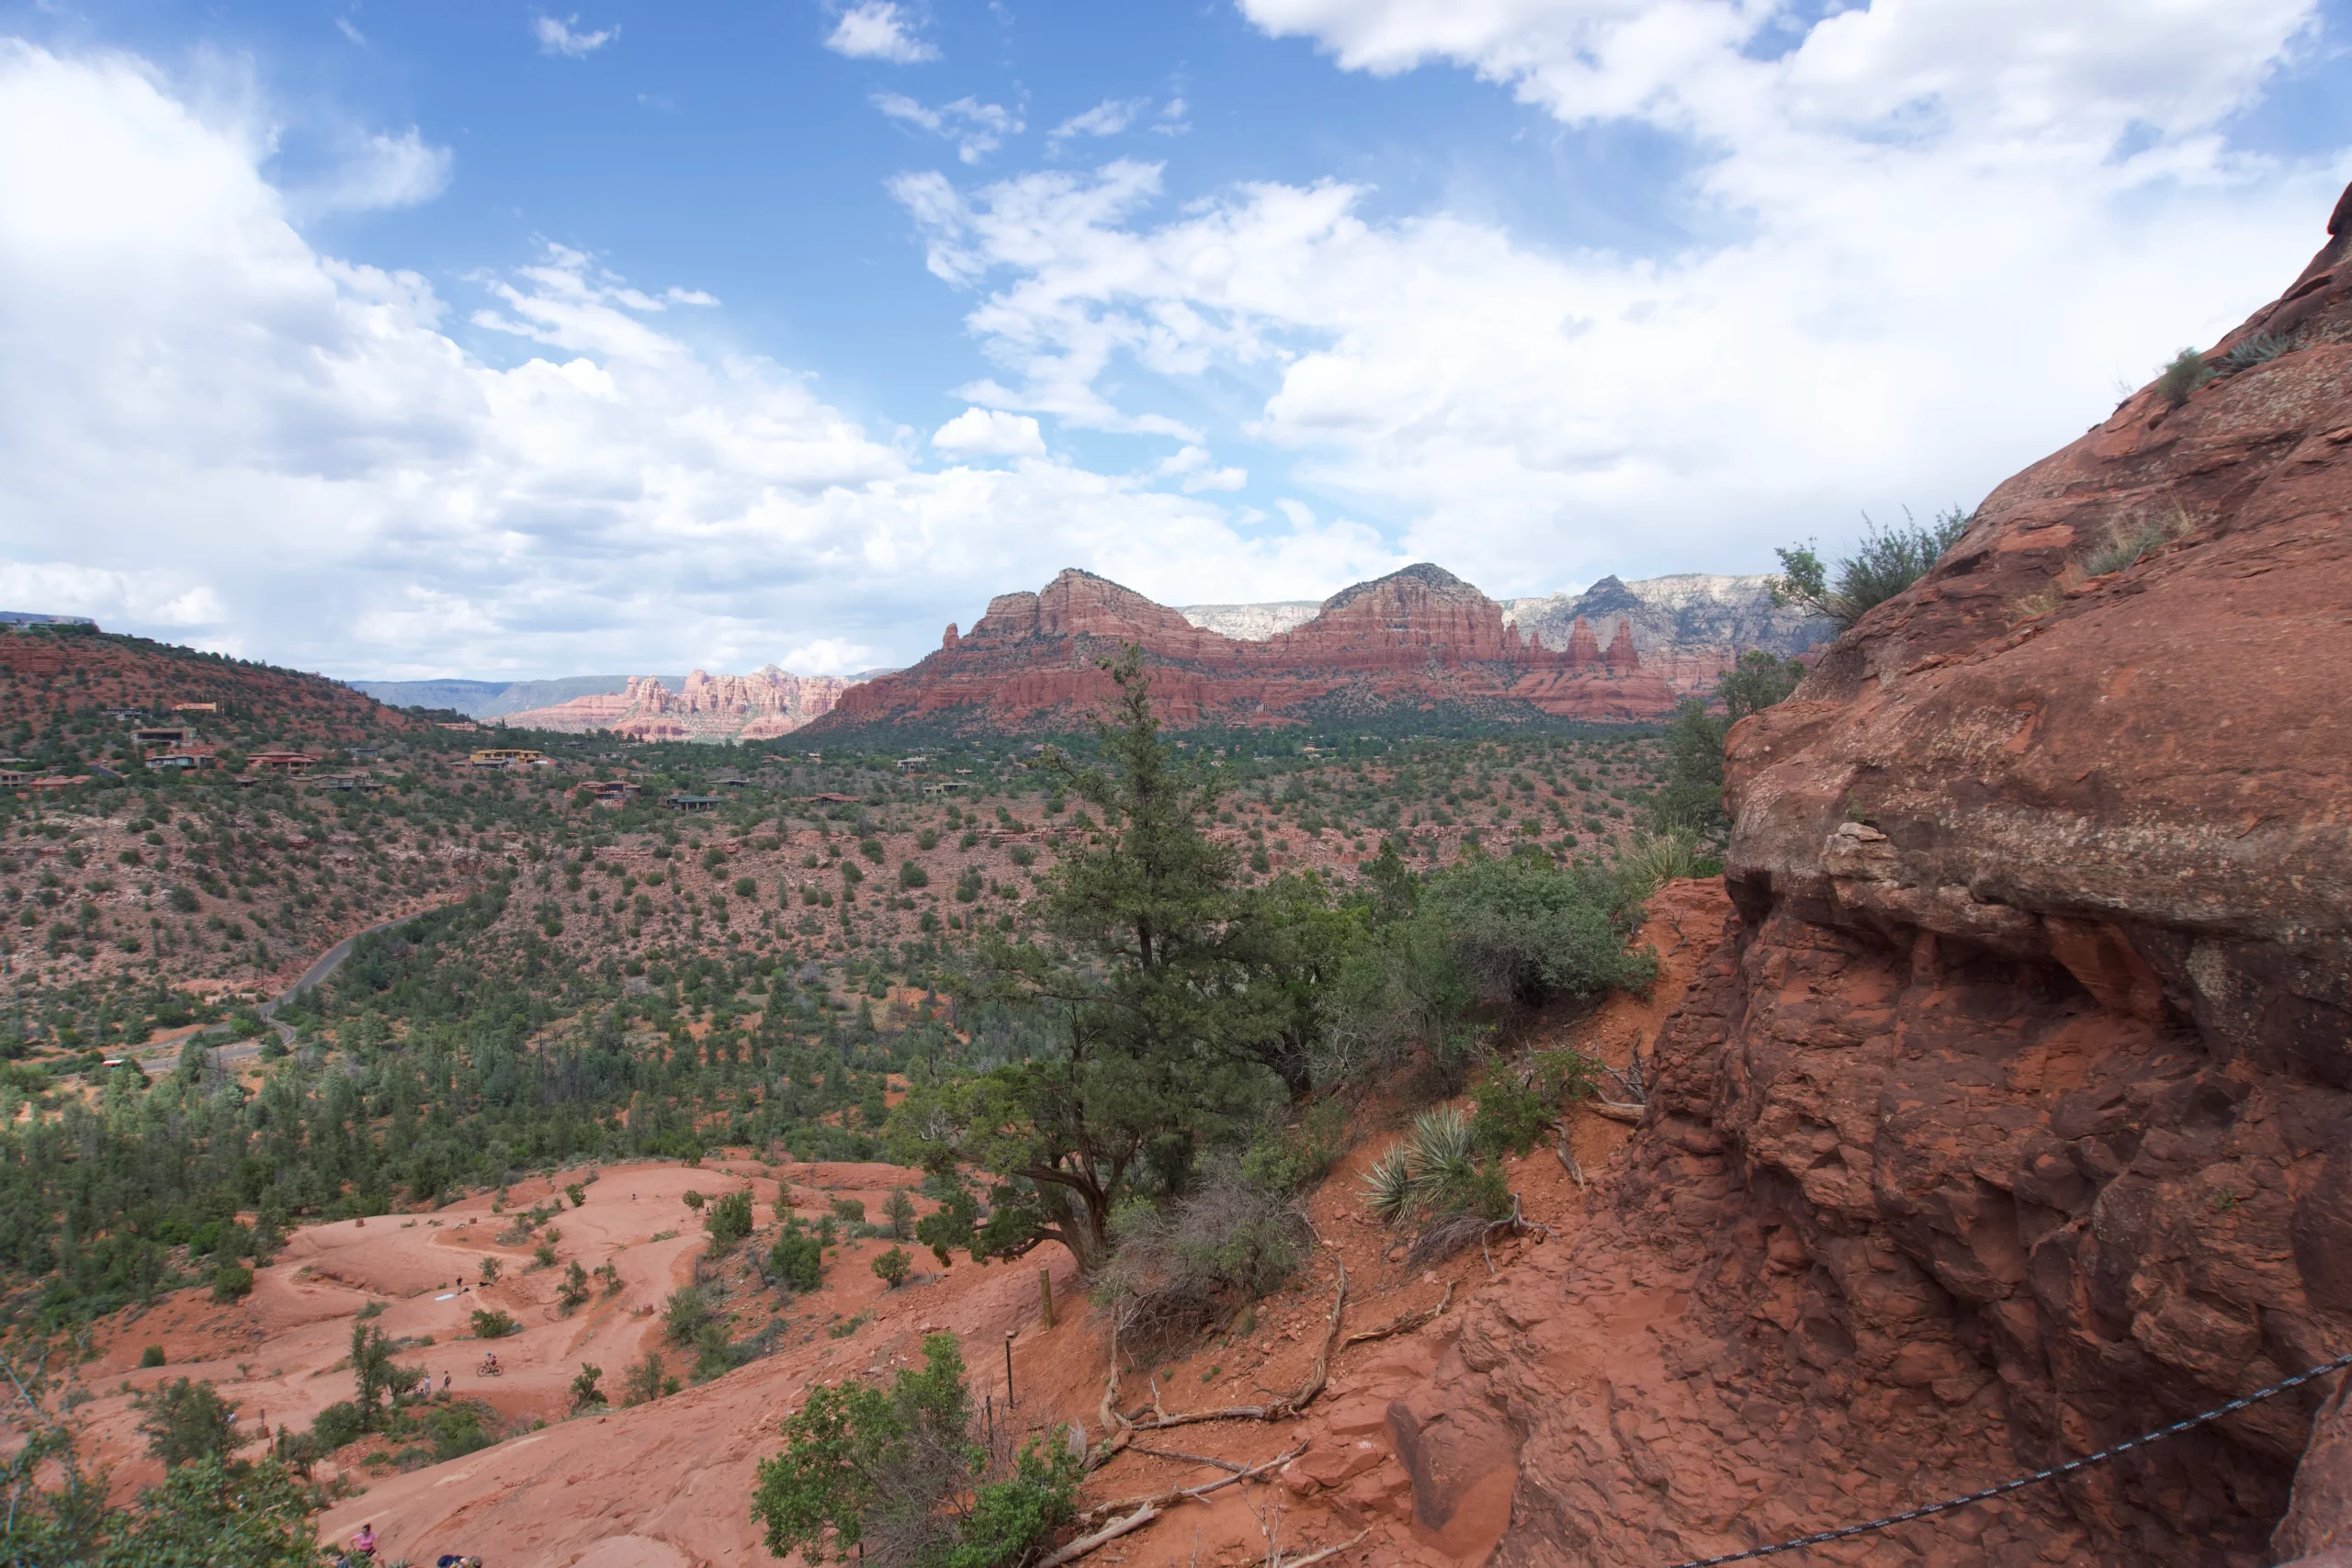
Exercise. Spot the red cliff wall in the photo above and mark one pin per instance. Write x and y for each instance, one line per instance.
(2013, 1116)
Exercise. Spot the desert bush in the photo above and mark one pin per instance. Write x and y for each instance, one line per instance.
(1183, 1265)
(911, 876)
(797, 1260)
(730, 1219)
(1526, 932)
(185, 1420)
(642, 1383)
(695, 1200)
(2259, 349)
(2186, 373)
(1517, 1101)
(572, 1294)
(577, 1193)
(893, 1267)
(1288, 1158)
(1887, 561)
(490, 1324)
(231, 1282)
(1433, 1175)
(586, 1392)
(458, 1430)
(543, 1254)
(2130, 542)
(152, 1356)
(849, 1212)
(899, 1477)
(1653, 859)
(685, 1314)
(899, 1216)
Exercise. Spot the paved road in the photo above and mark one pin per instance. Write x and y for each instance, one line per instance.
(320, 967)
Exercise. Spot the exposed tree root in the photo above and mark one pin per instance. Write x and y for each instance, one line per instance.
(1567, 1157)
(1405, 1322)
(1515, 1224)
(1614, 1111)
(1170, 1496)
(1279, 1409)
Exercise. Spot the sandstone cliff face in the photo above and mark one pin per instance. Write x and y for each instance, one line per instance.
(1418, 639)
(767, 703)
(2014, 1117)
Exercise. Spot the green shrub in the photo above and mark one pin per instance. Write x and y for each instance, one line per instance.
(730, 1219)
(585, 1392)
(458, 1430)
(2259, 349)
(850, 1210)
(572, 1294)
(899, 1216)
(1185, 1265)
(231, 1282)
(642, 1384)
(1434, 1174)
(336, 1425)
(911, 876)
(577, 1193)
(1527, 932)
(1653, 859)
(490, 1324)
(2186, 373)
(152, 1356)
(1284, 1159)
(797, 1259)
(904, 1468)
(1887, 561)
(185, 1420)
(685, 1314)
(893, 1267)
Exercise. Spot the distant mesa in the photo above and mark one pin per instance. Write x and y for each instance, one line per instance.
(1420, 639)
(762, 705)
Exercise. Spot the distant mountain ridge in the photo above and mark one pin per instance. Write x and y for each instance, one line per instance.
(1419, 640)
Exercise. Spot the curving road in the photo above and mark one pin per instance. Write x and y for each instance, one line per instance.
(320, 967)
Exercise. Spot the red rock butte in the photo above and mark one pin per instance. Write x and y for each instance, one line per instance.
(1418, 640)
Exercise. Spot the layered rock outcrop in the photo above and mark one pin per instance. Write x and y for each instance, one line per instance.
(1689, 627)
(1419, 638)
(768, 702)
(2014, 1118)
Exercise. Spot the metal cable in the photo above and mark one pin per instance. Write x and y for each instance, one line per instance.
(2052, 1473)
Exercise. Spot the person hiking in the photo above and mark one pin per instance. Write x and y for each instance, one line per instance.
(364, 1543)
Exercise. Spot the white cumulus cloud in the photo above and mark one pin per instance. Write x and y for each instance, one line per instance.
(211, 430)
(377, 171)
(879, 29)
(977, 129)
(978, 432)
(565, 37)
(1108, 117)
(1930, 240)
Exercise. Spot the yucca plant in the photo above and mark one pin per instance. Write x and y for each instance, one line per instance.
(1388, 1187)
(1440, 1149)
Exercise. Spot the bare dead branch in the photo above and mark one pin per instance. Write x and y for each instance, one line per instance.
(1404, 1322)
(1353, 1541)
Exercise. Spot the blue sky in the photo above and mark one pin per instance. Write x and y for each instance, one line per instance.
(485, 339)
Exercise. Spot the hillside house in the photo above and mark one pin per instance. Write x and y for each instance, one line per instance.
(163, 734)
(691, 801)
(196, 707)
(295, 762)
(507, 757)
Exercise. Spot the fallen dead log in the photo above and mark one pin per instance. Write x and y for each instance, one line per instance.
(1107, 1534)
(1614, 1109)
(1567, 1157)
(1404, 1322)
